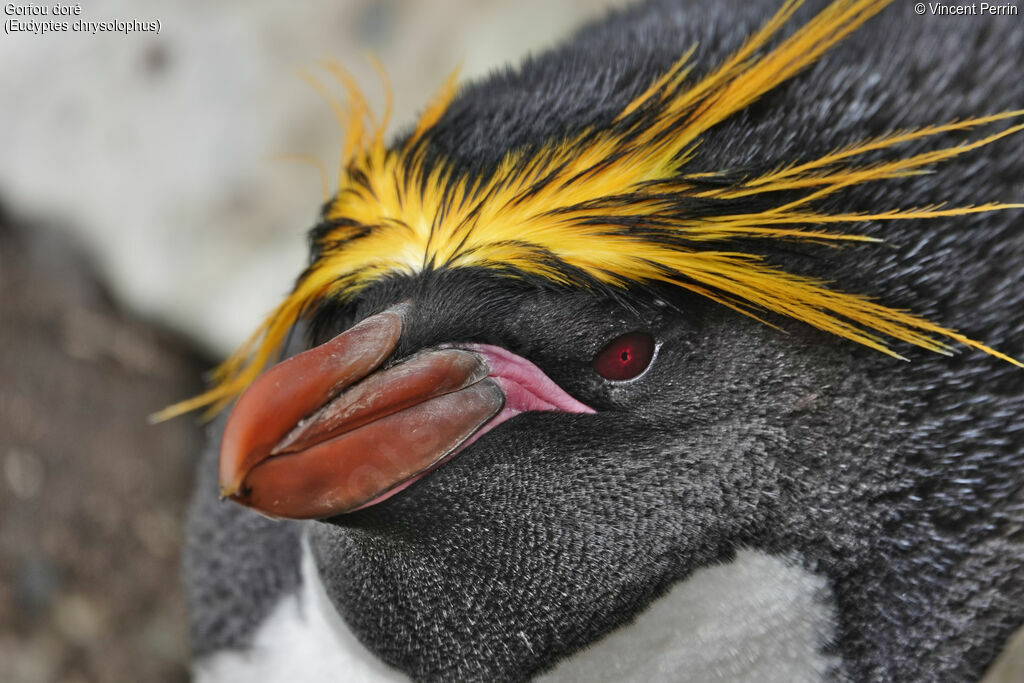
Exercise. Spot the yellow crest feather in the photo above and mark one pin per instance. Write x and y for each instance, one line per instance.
(561, 207)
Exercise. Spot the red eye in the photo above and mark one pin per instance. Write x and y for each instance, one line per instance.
(625, 357)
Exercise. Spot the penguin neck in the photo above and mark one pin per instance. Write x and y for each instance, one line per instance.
(778, 614)
(336, 640)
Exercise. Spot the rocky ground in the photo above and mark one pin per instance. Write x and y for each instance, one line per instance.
(91, 495)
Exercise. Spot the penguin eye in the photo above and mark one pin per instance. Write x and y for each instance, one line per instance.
(625, 357)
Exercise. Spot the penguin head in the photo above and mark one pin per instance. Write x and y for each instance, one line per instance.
(565, 521)
(539, 387)
(647, 440)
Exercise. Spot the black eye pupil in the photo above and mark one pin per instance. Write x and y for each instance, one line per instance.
(624, 356)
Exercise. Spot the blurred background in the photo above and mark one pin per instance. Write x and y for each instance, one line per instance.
(144, 231)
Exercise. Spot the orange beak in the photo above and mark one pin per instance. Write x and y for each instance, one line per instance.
(329, 431)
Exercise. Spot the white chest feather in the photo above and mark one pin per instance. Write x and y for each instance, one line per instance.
(757, 618)
(302, 639)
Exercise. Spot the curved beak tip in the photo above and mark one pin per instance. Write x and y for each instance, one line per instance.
(328, 431)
